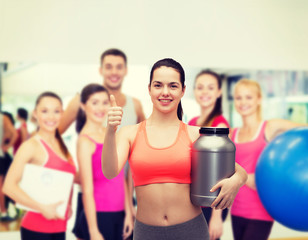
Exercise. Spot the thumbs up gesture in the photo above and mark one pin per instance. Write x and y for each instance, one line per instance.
(114, 114)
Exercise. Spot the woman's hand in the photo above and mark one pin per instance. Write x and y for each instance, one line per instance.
(128, 226)
(215, 224)
(114, 114)
(229, 189)
(50, 211)
(96, 236)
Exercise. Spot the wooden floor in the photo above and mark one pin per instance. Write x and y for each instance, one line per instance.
(10, 226)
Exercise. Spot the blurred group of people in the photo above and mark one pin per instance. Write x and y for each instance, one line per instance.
(124, 159)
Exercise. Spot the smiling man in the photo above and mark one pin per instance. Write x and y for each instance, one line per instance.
(113, 69)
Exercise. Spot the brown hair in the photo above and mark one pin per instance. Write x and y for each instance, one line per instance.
(114, 52)
(86, 93)
(57, 135)
(218, 104)
(169, 62)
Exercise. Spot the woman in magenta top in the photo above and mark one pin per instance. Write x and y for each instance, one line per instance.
(106, 212)
(250, 220)
(207, 91)
(46, 148)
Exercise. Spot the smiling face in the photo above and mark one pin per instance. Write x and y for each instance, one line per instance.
(206, 90)
(113, 70)
(96, 107)
(247, 100)
(48, 113)
(166, 89)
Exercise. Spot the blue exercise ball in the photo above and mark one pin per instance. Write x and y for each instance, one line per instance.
(282, 178)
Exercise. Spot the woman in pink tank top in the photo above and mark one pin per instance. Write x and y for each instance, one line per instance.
(46, 148)
(106, 213)
(162, 176)
(250, 221)
(208, 94)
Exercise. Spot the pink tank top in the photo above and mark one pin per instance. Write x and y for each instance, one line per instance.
(109, 195)
(36, 221)
(247, 203)
(216, 121)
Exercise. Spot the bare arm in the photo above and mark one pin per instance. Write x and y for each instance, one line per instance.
(11, 185)
(130, 187)
(116, 145)
(128, 221)
(70, 114)
(275, 127)
(24, 134)
(85, 149)
(216, 224)
(251, 182)
(229, 188)
(9, 133)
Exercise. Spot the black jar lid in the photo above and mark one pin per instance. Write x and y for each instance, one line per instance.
(213, 130)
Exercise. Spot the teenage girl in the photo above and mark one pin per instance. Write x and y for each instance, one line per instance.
(208, 94)
(159, 156)
(250, 221)
(104, 200)
(46, 148)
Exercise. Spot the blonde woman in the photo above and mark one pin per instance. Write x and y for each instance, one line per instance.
(250, 220)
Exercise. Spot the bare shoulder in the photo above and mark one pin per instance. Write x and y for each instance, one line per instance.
(7, 122)
(128, 132)
(85, 148)
(193, 132)
(84, 141)
(31, 143)
(138, 109)
(6, 119)
(29, 149)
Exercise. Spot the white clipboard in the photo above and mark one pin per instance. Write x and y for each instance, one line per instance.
(46, 186)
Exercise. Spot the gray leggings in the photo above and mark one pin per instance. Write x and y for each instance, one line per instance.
(194, 229)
